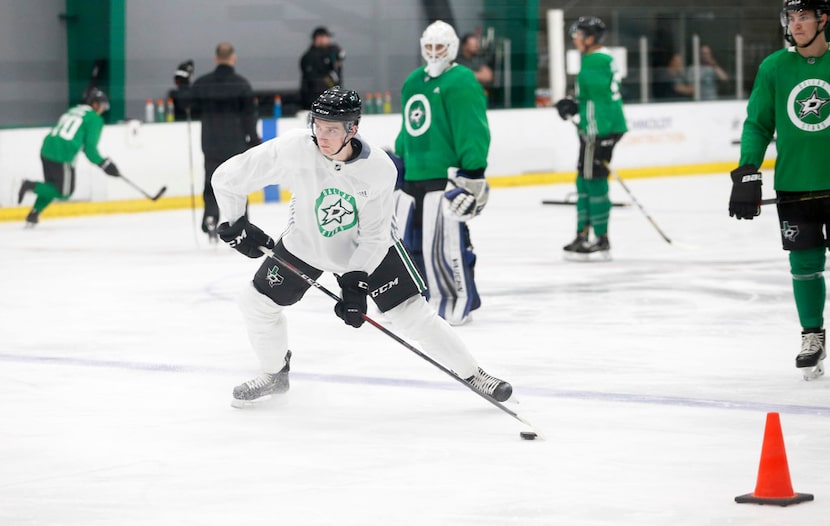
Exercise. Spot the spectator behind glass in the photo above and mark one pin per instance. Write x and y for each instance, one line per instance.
(470, 55)
(710, 74)
(321, 66)
(670, 82)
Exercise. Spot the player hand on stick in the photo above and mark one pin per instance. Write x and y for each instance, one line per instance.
(109, 168)
(352, 308)
(745, 201)
(245, 237)
(567, 108)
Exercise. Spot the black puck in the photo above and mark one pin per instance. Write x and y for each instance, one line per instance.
(528, 435)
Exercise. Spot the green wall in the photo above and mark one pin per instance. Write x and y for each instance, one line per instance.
(517, 20)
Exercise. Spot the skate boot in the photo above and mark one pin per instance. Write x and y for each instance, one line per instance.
(25, 187)
(32, 219)
(811, 358)
(581, 239)
(210, 228)
(491, 386)
(263, 387)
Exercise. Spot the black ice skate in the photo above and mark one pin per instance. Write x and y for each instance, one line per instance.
(811, 358)
(581, 239)
(493, 387)
(32, 219)
(597, 250)
(25, 187)
(263, 387)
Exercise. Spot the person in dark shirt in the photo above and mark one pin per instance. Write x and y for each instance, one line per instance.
(321, 67)
(225, 101)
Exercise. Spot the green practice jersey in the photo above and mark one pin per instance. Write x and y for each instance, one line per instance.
(80, 127)
(598, 94)
(791, 98)
(444, 124)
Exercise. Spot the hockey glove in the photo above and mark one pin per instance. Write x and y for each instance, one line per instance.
(466, 194)
(245, 237)
(745, 201)
(183, 74)
(567, 108)
(355, 287)
(109, 168)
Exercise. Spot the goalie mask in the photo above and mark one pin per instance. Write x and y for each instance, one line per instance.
(820, 7)
(439, 47)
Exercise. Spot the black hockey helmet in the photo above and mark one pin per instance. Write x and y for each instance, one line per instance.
(590, 26)
(819, 6)
(337, 104)
(94, 95)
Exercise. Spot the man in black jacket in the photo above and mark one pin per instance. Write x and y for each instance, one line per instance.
(321, 66)
(225, 101)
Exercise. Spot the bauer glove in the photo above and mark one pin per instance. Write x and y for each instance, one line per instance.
(109, 168)
(745, 201)
(354, 286)
(245, 237)
(567, 108)
(467, 192)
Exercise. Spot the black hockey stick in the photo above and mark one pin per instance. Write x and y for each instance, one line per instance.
(808, 197)
(148, 196)
(311, 281)
(634, 200)
(566, 202)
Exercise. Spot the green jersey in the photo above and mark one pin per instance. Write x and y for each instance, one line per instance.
(791, 99)
(598, 94)
(80, 127)
(444, 124)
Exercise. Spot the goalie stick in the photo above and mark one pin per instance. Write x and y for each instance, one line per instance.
(311, 281)
(148, 196)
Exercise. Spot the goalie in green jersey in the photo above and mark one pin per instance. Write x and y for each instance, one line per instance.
(601, 125)
(79, 128)
(791, 100)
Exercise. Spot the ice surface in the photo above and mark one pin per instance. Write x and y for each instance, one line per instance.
(650, 376)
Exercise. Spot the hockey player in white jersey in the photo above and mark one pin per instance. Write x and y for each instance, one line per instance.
(341, 221)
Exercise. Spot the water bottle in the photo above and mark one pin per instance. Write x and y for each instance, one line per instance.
(159, 110)
(370, 104)
(277, 106)
(387, 102)
(149, 111)
(170, 116)
(378, 103)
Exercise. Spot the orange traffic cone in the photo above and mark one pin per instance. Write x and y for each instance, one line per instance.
(774, 485)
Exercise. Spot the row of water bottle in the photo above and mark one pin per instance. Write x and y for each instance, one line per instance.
(159, 111)
(375, 103)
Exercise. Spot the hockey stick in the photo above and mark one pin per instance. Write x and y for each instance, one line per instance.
(809, 197)
(311, 281)
(634, 200)
(566, 202)
(148, 196)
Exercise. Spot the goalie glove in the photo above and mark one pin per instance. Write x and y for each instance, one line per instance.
(567, 108)
(466, 194)
(745, 200)
(245, 237)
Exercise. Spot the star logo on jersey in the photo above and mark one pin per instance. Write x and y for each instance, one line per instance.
(812, 104)
(807, 105)
(336, 211)
(418, 115)
(274, 277)
(789, 232)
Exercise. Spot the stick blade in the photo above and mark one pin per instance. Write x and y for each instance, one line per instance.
(159, 193)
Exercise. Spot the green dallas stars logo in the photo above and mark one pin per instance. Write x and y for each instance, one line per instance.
(807, 105)
(336, 211)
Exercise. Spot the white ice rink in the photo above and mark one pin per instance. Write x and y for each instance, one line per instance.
(651, 376)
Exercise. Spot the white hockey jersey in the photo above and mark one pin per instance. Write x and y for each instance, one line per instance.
(341, 213)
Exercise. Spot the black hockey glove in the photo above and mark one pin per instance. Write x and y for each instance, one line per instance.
(245, 237)
(355, 287)
(567, 108)
(109, 168)
(745, 201)
(183, 74)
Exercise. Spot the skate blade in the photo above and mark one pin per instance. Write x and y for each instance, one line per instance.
(266, 402)
(582, 257)
(813, 373)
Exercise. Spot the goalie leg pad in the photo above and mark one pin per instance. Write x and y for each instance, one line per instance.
(449, 262)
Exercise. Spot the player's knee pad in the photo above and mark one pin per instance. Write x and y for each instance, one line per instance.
(255, 304)
(411, 315)
(807, 264)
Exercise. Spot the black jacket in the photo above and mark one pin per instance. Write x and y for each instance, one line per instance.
(225, 102)
(321, 69)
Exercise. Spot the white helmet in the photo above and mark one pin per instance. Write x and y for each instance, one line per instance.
(443, 47)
